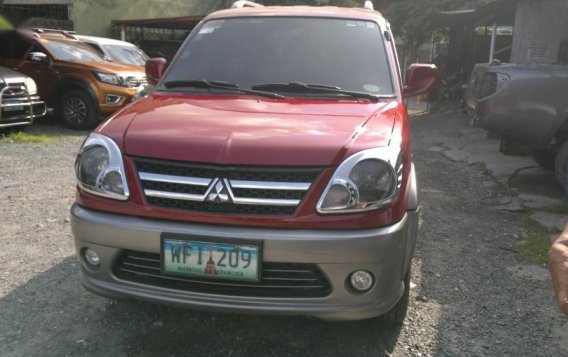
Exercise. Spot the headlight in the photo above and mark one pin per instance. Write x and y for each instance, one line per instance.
(99, 168)
(365, 181)
(109, 78)
(31, 86)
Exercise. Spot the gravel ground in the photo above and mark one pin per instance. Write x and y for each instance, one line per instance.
(472, 293)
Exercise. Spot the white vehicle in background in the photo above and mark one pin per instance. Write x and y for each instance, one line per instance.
(116, 50)
(20, 103)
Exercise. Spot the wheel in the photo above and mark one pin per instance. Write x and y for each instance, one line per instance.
(561, 165)
(544, 157)
(397, 314)
(77, 110)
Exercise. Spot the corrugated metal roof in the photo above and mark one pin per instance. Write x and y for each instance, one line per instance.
(175, 23)
(36, 2)
(501, 11)
(197, 10)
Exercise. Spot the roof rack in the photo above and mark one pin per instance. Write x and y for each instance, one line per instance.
(244, 3)
(66, 33)
(368, 5)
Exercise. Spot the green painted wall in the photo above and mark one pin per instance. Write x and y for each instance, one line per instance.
(93, 17)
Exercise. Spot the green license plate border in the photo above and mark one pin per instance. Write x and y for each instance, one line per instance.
(258, 243)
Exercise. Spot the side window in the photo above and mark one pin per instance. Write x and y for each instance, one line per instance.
(95, 47)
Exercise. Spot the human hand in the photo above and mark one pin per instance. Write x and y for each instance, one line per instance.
(558, 266)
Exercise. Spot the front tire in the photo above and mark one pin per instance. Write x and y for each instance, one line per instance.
(397, 314)
(77, 110)
(544, 157)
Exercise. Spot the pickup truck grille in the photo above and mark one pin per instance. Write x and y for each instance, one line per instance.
(287, 280)
(15, 90)
(17, 107)
(224, 189)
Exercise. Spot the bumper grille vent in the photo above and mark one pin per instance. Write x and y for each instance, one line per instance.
(278, 280)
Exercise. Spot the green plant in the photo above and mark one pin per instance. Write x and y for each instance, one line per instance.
(536, 244)
(22, 137)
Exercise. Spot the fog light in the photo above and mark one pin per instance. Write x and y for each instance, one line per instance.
(113, 99)
(92, 257)
(361, 280)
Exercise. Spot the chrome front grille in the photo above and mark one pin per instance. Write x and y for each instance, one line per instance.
(222, 189)
(133, 82)
(15, 90)
(293, 280)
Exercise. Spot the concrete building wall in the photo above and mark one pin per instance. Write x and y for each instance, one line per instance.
(93, 17)
(540, 29)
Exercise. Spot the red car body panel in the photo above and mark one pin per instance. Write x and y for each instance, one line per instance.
(249, 130)
(231, 130)
(376, 124)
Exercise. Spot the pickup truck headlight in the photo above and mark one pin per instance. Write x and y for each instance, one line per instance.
(99, 168)
(365, 181)
(109, 78)
(31, 86)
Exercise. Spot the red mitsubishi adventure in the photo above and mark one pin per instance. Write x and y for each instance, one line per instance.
(268, 172)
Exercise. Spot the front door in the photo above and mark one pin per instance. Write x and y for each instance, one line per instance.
(43, 73)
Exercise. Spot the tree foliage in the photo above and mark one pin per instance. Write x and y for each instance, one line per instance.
(5, 24)
(413, 18)
(410, 18)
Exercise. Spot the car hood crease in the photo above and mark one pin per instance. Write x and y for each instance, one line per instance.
(250, 131)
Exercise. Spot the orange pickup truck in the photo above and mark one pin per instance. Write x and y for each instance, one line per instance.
(78, 82)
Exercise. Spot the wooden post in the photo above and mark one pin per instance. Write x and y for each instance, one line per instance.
(493, 35)
(123, 33)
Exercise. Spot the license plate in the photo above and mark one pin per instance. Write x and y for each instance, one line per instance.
(13, 109)
(218, 260)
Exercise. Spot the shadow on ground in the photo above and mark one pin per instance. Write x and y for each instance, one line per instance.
(493, 301)
(50, 125)
(53, 315)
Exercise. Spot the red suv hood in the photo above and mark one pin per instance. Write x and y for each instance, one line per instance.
(250, 131)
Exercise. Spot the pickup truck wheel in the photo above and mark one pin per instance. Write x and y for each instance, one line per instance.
(397, 314)
(77, 110)
(544, 157)
(561, 165)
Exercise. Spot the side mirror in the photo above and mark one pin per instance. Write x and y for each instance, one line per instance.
(37, 57)
(155, 68)
(420, 79)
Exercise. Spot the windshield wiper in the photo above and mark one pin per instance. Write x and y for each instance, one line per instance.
(203, 83)
(317, 88)
(293, 85)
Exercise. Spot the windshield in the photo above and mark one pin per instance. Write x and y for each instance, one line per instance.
(255, 51)
(126, 54)
(72, 51)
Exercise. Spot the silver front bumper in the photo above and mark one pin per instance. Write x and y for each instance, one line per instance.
(386, 252)
(36, 108)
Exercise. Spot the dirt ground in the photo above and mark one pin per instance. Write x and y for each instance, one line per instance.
(473, 294)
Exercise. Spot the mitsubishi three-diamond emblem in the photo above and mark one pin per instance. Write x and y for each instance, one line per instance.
(218, 193)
